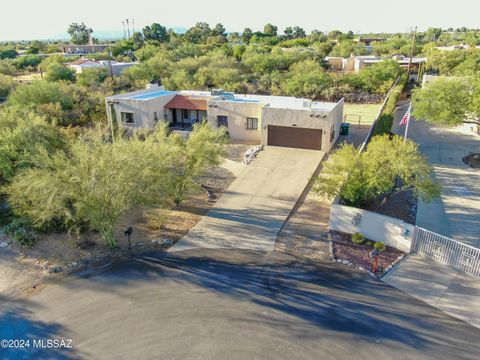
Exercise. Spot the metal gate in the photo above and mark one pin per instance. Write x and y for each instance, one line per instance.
(447, 251)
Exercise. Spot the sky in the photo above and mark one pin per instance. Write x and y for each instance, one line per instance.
(44, 19)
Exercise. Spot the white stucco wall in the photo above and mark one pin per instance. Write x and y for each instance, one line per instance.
(393, 232)
(237, 113)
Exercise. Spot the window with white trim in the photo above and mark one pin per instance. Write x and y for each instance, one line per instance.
(127, 117)
(252, 123)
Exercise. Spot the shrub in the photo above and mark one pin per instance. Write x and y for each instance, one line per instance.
(20, 230)
(25, 237)
(370, 243)
(358, 238)
(156, 218)
(384, 124)
(380, 246)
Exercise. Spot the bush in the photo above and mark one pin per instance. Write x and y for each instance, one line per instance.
(156, 218)
(384, 125)
(20, 230)
(358, 238)
(380, 246)
(370, 243)
(25, 237)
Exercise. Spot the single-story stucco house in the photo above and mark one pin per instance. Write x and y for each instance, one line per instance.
(268, 120)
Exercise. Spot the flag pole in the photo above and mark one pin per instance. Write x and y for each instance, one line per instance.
(408, 123)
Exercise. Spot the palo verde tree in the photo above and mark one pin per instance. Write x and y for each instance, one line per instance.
(448, 101)
(191, 157)
(95, 182)
(385, 168)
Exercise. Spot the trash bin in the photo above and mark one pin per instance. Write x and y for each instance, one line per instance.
(344, 128)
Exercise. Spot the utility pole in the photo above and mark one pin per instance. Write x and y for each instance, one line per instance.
(412, 50)
(128, 28)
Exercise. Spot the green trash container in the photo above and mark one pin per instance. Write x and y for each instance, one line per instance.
(344, 128)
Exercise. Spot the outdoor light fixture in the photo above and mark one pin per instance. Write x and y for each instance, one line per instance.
(127, 233)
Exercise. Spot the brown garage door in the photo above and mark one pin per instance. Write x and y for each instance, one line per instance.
(295, 137)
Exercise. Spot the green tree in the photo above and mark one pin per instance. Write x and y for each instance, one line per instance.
(94, 183)
(59, 72)
(270, 30)
(247, 35)
(218, 30)
(156, 33)
(448, 101)
(79, 33)
(7, 84)
(192, 157)
(92, 78)
(22, 132)
(137, 40)
(298, 32)
(199, 33)
(8, 53)
(307, 79)
(385, 168)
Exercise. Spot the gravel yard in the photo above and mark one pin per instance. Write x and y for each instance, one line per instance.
(65, 252)
(235, 151)
(345, 249)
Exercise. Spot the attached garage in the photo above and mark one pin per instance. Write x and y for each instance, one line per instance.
(295, 137)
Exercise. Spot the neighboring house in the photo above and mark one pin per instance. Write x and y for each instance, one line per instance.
(82, 64)
(357, 63)
(455, 47)
(83, 49)
(269, 120)
(113, 67)
(116, 68)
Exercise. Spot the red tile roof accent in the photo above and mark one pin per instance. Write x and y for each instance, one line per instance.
(81, 61)
(188, 103)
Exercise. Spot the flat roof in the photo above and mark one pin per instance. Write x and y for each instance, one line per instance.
(272, 101)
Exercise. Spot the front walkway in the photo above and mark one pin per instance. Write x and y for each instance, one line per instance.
(456, 214)
(438, 285)
(251, 212)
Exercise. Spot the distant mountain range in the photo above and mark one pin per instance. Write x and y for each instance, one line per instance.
(111, 34)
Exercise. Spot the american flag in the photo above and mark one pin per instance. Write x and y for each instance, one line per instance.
(406, 117)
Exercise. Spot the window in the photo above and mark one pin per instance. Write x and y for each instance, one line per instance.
(127, 117)
(222, 120)
(155, 117)
(252, 123)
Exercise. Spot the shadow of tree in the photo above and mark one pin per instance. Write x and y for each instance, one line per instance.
(305, 297)
(17, 323)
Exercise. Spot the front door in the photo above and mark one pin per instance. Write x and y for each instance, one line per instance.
(185, 119)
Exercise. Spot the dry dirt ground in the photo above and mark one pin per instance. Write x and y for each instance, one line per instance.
(22, 267)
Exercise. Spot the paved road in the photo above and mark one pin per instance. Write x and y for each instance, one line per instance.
(438, 285)
(456, 214)
(206, 304)
(250, 214)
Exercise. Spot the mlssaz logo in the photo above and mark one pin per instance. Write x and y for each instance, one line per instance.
(52, 343)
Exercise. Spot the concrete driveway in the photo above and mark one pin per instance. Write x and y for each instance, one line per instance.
(216, 305)
(456, 214)
(452, 291)
(251, 212)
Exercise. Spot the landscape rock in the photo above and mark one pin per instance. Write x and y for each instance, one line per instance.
(167, 242)
(55, 269)
(251, 154)
(4, 244)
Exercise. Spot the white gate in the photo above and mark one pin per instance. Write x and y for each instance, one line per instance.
(447, 251)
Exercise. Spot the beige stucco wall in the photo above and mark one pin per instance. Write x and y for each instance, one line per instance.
(393, 232)
(143, 110)
(237, 113)
(321, 119)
